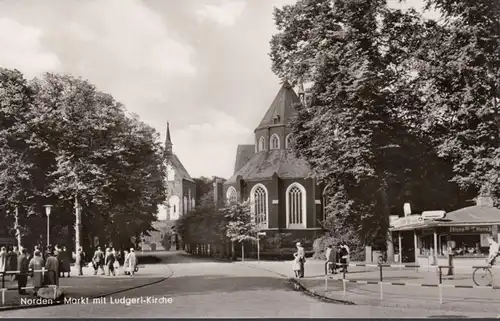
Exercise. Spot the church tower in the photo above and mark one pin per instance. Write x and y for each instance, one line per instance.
(168, 141)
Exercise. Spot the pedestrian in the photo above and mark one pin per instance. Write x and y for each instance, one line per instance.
(126, 262)
(132, 262)
(98, 261)
(52, 267)
(117, 261)
(344, 244)
(80, 260)
(110, 262)
(296, 265)
(36, 264)
(331, 260)
(23, 266)
(3, 259)
(302, 258)
(65, 262)
(343, 257)
(493, 259)
(13, 262)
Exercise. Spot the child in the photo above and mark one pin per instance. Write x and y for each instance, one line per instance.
(296, 265)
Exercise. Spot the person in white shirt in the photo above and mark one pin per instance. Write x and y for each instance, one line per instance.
(494, 251)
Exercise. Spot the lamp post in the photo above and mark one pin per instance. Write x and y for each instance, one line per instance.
(78, 224)
(47, 211)
(258, 245)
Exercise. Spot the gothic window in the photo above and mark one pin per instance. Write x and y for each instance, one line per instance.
(288, 141)
(185, 204)
(262, 144)
(231, 195)
(275, 142)
(296, 206)
(173, 202)
(259, 205)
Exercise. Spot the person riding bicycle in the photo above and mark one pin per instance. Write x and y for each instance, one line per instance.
(494, 250)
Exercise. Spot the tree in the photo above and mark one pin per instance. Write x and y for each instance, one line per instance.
(459, 81)
(203, 187)
(361, 130)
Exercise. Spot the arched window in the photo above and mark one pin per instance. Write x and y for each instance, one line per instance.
(275, 142)
(231, 195)
(262, 144)
(259, 205)
(193, 203)
(173, 203)
(296, 206)
(288, 141)
(185, 204)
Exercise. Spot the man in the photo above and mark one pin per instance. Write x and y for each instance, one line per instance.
(3, 259)
(23, 266)
(52, 267)
(80, 260)
(494, 250)
(13, 261)
(343, 254)
(110, 262)
(98, 261)
(330, 264)
(301, 254)
(65, 263)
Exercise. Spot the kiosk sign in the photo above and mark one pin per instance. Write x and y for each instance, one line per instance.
(470, 229)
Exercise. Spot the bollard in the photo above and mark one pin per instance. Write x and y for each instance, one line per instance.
(55, 293)
(440, 275)
(3, 296)
(326, 283)
(440, 294)
(3, 280)
(343, 270)
(381, 277)
(381, 291)
(450, 264)
(344, 286)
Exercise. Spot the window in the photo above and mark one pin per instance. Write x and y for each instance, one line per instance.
(258, 199)
(185, 204)
(262, 144)
(276, 119)
(296, 206)
(275, 142)
(288, 141)
(231, 195)
(173, 202)
(193, 204)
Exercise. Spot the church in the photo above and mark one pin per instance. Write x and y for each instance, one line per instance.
(284, 197)
(181, 195)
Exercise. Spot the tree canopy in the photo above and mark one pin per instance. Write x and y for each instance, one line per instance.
(69, 140)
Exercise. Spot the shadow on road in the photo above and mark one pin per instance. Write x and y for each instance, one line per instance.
(206, 284)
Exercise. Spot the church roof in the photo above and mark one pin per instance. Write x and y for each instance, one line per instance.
(264, 164)
(180, 170)
(282, 106)
(243, 155)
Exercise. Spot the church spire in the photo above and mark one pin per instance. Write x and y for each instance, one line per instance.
(168, 141)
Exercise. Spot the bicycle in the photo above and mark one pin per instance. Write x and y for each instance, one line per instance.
(482, 275)
(382, 258)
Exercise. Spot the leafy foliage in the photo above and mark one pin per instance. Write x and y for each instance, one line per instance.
(69, 140)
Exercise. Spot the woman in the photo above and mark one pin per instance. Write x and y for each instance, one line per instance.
(126, 262)
(117, 261)
(52, 267)
(36, 264)
(296, 264)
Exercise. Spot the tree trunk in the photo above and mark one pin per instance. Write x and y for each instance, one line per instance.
(386, 212)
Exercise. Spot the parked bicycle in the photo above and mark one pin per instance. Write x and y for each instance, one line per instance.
(482, 275)
(382, 259)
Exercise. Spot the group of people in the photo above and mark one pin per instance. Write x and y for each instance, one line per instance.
(337, 258)
(109, 262)
(17, 264)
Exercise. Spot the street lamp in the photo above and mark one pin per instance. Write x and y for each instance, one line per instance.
(258, 245)
(47, 211)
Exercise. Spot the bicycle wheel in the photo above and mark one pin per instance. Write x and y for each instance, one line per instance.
(380, 260)
(482, 277)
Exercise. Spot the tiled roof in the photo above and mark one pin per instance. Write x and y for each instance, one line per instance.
(282, 106)
(473, 214)
(243, 155)
(264, 164)
(174, 161)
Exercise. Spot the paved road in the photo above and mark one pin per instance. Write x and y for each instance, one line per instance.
(201, 288)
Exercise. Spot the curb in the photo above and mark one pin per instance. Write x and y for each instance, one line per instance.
(304, 289)
(21, 307)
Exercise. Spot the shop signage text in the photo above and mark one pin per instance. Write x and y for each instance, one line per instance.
(470, 229)
(408, 220)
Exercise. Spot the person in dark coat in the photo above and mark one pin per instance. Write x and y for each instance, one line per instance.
(343, 258)
(98, 261)
(80, 260)
(331, 260)
(65, 262)
(110, 262)
(13, 261)
(23, 266)
(52, 267)
(36, 264)
(8, 260)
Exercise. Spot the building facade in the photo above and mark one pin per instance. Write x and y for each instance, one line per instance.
(181, 195)
(283, 195)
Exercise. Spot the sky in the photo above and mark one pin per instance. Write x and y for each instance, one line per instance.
(201, 65)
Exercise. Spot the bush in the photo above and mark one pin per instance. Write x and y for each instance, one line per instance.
(285, 254)
(320, 245)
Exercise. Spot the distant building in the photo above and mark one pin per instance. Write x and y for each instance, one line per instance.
(284, 197)
(180, 198)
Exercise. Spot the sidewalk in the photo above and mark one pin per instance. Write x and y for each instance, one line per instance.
(454, 299)
(89, 286)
